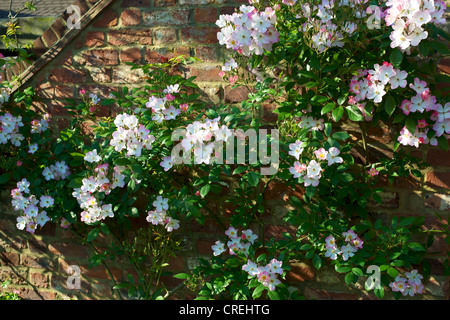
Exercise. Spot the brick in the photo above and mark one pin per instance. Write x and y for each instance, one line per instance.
(205, 73)
(199, 34)
(107, 19)
(37, 246)
(59, 27)
(165, 3)
(130, 36)
(131, 17)
(66, 75)
(43, 262)
(299, 272)
(438, 179)
(126, 75)
(437, 201)
(65, 59)
(444, 65)
(39, 280)
(94, 38)
(63, 92)
(276, 231)
(268, 112)
(206, 54)
(68, 250)
(102, 75)
(100, 57)
(135, 3)
(438, 157)
(100, 272)
(9, 258)
(235, 95)
(389, 200)
(164, 18)
(49, 38)
(56, 108)
(204, 246)
(32, 294)
(18, 277)
(130, 55)
(45, 90)
(165, 36)
(205, 15)
(39, 48)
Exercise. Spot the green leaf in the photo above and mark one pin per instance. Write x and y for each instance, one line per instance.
(239, 170)
(379, 292)
(411, 124)
(253, 178)
(354, 113)
(358, 272)
(327, 108)
(440, 47)
(258, 291)
(319, 99)
(205, 190)
(93, 234)
(75, 183)
(415, 246)
(4, 178)
(317, 261)
(338, 113)
(349, 278)
(396, 57)
(392, 272)
(342, 269)
(389, 105)
(181, 276)
(122, 162)
(59, 148)
(399, 117)
(406, 221)
(341, 135)
(273, 295)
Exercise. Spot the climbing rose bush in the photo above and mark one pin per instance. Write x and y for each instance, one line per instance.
(330, 70)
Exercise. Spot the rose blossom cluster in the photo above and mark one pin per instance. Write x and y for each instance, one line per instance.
(102, 181)
(410, 285)
(373, 84)
(10, 125)
(58, 171)
(199, 136)
(4, 96)
(312, 172)
(320, 20)
(9, 129)
(159, 216)
(39, 126)
(352, 244)
(407, 19)
(248, 31)
(32, 209)
(163, 108)
(240, 244)
(131, 135)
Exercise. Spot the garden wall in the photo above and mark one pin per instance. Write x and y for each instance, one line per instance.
(143, 31)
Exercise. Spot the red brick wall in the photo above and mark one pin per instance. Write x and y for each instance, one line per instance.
(140, 31)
